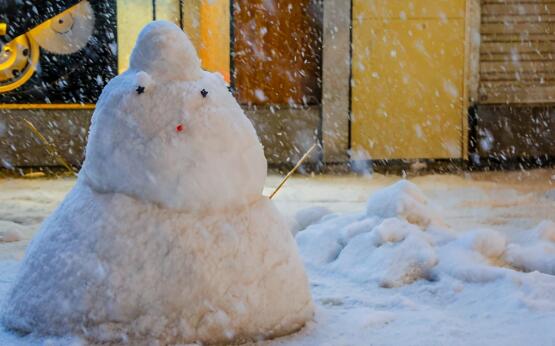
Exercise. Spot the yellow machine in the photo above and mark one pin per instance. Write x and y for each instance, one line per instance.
(18, 60)
(65, 33)
(55, 63)
(29, 62)
(61, 57)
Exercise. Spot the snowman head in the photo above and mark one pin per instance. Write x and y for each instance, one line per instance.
(165, 51)
(167, 132)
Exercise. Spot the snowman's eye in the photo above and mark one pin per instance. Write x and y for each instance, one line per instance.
(140, 89)
(204, 93)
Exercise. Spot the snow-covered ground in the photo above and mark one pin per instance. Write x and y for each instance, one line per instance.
(452, 260)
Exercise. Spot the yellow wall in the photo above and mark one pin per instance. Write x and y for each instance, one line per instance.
(168, 10)
(408, 78)
(215, 36)
(191, 20)
(205, 21)
(132, 15)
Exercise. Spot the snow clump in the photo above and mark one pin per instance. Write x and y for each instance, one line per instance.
(400, 239)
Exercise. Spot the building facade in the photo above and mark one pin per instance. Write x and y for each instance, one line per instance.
(367, 79)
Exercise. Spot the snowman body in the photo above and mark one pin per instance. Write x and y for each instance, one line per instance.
(166, 235)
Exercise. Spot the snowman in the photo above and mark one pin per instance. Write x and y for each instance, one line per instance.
(166, 236)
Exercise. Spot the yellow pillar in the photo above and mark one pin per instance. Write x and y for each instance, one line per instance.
(215, 36)
(168, 10)
(206, 22)
(131, 17)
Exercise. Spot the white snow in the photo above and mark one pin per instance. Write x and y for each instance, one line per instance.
(11, 234)
(472, 296)
(400, 239)
(151, 245)
(165, 236)
(403, 200)
(135, 149)
(165, 53)
(537, 253)
(306, 217)
(404, 280)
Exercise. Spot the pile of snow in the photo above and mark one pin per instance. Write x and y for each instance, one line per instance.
(10, 231)
(537, 253)
(393, 253)
(308, 216)
(403, 200)
(401, 238)
(165, 237)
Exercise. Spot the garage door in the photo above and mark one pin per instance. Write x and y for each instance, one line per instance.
(517, 51)
(407, 79)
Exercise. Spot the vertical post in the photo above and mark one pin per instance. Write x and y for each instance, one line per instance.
(191, 20)
(168, 10)
(336, 67)
(215, 36)
(181, 9)
(472, 68)
(132, 15)
(207, 24)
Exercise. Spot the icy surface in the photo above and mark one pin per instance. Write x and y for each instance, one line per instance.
(165, 237)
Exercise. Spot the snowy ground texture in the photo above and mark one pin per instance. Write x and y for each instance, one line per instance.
(436, 260)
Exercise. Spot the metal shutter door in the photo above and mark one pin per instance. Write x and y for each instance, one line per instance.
(516, 51)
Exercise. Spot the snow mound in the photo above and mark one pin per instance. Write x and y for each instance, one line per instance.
(538, 254)
(387, 244)
(394, 254)
(488, 243)
(10, 236)
(165, 237)
(10, 232)
(546, 231)
(321, 243)
(308, 216)
(401, 239)
(404, 200)
(473, 257)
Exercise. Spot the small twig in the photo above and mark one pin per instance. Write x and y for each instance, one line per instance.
(49, 147)
(299, 163)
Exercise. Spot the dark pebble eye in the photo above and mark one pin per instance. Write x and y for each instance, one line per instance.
(140, 89)
(204, 93)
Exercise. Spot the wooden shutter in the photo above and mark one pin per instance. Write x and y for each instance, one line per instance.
(516, 51)
(277, 51)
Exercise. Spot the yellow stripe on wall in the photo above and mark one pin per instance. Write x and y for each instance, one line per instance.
(132, 16)
(215, 36)
(206, 22)
(168, 10)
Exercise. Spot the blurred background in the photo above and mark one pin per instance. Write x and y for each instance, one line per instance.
(454, 84)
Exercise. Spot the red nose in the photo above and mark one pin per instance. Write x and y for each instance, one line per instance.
(179, 128)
